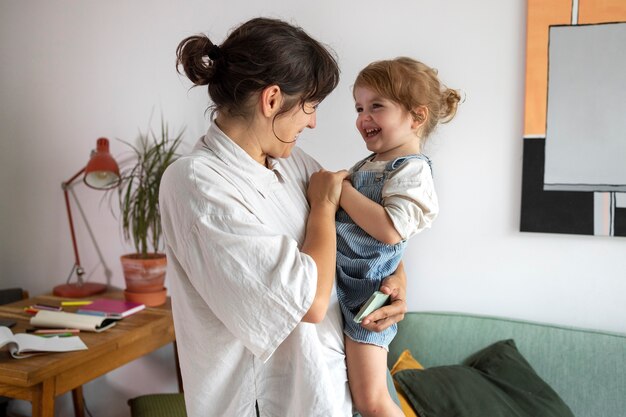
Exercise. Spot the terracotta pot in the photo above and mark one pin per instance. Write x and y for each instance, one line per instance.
(150, 299)
(144, 275)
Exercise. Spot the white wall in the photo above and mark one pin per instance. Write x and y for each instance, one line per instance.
(74, 71)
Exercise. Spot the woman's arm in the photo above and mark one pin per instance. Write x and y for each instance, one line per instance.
(368, 215)
(320, 241)
(395, 286)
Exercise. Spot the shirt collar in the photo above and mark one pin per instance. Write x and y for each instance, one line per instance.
(234, 156)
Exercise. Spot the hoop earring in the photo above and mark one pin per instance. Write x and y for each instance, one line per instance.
(284, 141)
(276, 136)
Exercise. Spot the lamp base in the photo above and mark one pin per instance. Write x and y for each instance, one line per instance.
(79, 291)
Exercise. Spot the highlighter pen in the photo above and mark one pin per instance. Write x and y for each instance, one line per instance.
(75, 303)
(55, 335)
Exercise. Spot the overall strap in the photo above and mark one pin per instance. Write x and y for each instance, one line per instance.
(397, 163)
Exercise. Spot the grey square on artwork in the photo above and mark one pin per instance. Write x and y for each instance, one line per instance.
(586, 115)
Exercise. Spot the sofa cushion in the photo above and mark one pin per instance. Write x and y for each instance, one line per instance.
(405, 361)
(495, 381)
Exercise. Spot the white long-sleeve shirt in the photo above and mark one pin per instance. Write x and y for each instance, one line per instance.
(240, 286)
(409, 196)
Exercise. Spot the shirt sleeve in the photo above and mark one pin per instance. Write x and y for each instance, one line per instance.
(257, 283)
(409, 198)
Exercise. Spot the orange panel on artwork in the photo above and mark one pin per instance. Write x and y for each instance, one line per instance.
(601, 11)
(541, 14)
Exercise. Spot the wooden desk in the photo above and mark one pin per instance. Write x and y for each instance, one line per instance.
(40, 379)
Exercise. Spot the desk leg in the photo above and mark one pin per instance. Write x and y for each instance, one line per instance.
(43, 399)
(79, 404)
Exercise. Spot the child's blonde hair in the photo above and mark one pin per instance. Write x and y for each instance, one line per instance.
(413, 85)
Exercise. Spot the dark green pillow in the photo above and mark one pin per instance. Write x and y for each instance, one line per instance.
(496, 382)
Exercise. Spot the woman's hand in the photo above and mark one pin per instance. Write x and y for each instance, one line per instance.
(395, 286)
(325, 187)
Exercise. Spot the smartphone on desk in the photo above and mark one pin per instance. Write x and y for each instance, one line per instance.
(7, 322)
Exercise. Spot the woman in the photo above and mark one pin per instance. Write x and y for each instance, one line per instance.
(250, 234)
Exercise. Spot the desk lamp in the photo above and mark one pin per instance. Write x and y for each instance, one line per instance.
(100, 173)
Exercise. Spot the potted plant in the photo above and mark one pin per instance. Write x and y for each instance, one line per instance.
(144, 270)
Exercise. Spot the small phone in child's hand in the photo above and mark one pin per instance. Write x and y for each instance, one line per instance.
(7, 323)
(376, 301)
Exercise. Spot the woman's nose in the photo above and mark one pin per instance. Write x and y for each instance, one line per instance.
(312, 120)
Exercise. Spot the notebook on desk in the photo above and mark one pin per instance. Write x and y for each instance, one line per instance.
(23, 345)
(63, 320)
(113, 309)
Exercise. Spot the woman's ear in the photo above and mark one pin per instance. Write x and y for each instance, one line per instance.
(420, 115)
(271, 100)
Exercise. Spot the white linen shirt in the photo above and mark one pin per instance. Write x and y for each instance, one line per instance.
(240, 287)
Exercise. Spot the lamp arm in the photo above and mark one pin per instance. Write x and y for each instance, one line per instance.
(65, 186)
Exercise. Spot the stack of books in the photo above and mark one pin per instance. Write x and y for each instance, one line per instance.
(112, 309)
(97, 316)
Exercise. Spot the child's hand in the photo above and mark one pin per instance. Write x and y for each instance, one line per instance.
(381, 319)
(325, 187)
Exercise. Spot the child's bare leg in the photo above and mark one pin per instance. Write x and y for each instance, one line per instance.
(367, 376)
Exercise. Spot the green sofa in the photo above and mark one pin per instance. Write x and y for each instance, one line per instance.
(586, 368)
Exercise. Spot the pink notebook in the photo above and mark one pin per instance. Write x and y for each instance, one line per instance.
(115, 309)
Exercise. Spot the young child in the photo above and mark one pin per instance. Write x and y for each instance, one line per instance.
(389, 197)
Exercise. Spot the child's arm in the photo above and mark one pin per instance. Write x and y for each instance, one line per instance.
(368, 215)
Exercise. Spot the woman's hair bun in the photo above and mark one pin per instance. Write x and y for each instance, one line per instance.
(197, 56)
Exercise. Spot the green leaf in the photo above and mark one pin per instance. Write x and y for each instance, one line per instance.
(139, 189)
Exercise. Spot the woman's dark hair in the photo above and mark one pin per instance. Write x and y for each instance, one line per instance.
(257, 54)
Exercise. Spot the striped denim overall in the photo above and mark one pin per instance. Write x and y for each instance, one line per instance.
(362, 261)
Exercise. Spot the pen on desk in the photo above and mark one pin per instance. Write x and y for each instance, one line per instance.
(52, 331)
(47, 307)
(75, 303)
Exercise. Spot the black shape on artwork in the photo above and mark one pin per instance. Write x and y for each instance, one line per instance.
(619, 227)
(568, 212)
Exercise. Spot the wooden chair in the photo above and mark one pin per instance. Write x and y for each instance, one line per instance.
(158, 405)
(161, 405)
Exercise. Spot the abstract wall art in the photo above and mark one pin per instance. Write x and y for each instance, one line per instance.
(574, 168)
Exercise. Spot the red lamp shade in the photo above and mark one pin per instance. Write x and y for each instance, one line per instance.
(102, 172)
